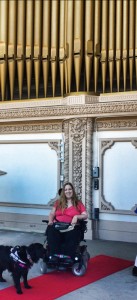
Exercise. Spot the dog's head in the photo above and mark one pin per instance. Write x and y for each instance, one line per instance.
(36, 251)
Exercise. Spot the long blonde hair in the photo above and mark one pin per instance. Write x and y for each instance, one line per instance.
(62, 202)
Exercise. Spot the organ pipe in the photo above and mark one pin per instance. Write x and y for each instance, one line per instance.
(12, 32)
(62, 53)
(29, 42)
(125, 41)
(89, 35)
(3, 45)
(54, 42)
(111, 42)
(104, 47)
(118, 41)
(46, 43)
(37, 42)
(131, 39)
(78, 39)
(20, 43)
(69, 42)
(136, 40)
(97, 13)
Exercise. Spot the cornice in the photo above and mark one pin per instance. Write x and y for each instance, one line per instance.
(70, 107)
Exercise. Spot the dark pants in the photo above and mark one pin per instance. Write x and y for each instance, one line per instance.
(63, 242)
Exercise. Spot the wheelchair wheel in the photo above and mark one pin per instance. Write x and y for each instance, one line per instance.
(88, 255)
(43, 267)
(78, 271)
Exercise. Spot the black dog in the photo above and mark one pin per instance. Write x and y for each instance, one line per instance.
(18, 260)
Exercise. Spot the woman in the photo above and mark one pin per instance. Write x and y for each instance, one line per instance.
(67, 209)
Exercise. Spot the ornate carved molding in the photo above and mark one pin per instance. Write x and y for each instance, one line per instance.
(77, 168)
(89, 158)
(66, 151)
(30, 128)
(62, 111)
(116, 124)
(77, 130)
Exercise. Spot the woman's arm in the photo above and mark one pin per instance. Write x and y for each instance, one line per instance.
(82, 216)
(52, 216)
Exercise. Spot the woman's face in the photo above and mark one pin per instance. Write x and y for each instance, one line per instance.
(68, 191)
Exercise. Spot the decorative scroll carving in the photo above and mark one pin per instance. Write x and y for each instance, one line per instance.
(77, 133)
(107, 144)
(77, 168)
(134, 143)
(88, 177)
(77, 127)
(53, 145)
(106, 205)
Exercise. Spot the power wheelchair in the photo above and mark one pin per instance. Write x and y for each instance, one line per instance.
(78, 264)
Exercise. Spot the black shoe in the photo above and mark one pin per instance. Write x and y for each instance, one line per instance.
(134, 271)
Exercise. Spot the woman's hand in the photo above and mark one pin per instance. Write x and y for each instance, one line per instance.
(74, 220)
(50, 222)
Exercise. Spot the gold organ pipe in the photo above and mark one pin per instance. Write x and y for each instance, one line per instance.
(131, 39)
(104, 40)
(89, 35)
(96, 41)
(62, 53)
(125, 41)
(111, 42)
(54, 42)
(3, 27)
(3, 44)
(65, 62)
(118, 41)
(12, 43)
(69, 42)
(20, 43)
(29, 42)
(78, 39)
(46, 42)
(37, 41)
(136, 40)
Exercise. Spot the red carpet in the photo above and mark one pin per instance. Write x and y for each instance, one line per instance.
(56, 284)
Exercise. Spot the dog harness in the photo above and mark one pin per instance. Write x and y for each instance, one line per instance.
(15, 257)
